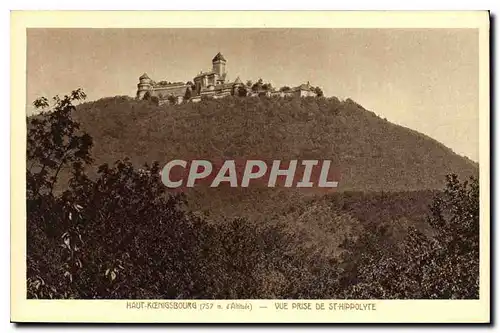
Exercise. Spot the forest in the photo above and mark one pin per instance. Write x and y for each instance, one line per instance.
(102, 227)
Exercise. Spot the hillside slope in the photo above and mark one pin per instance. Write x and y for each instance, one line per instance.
(372, 153)
(351, 244)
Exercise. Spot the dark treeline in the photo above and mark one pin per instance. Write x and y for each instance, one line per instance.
(120, 235)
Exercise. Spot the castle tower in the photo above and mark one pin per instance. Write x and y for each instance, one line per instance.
(219, 65)
(145, 85)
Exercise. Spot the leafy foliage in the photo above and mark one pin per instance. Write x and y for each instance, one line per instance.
(188, 93)
(172, 99)
(242, 91)
(444, 265)
(260, 86)
(53, 143)
(318, 91)
(115, 232)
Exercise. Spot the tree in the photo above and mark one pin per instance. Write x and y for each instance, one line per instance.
(444, 266)
(54, 142)
(455, 214)
(155, 100)
(188, 94)
(249, 83)
(191, 85)
(242, 91)
(267, 87)
(257, 86)
(172, 99)
(318, 91)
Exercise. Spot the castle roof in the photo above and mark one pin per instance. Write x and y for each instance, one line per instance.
(218, 57)
(144, 76)
(238, 80)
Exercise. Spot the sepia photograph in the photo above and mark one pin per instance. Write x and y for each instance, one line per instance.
(313, 168)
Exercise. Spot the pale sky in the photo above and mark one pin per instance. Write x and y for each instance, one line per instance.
(424, 79)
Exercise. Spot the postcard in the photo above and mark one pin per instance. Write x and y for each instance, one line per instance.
(250, 167)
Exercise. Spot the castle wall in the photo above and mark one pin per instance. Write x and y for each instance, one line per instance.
(164, 92)
(307, 93)
(140, 94)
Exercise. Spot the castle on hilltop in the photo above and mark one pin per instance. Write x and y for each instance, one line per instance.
(213, 84)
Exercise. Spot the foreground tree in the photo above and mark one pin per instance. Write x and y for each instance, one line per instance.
(54, 142)
(444, 265)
